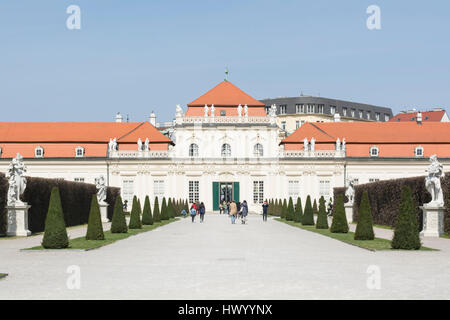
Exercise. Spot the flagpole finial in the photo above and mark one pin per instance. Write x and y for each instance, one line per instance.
(226, 74)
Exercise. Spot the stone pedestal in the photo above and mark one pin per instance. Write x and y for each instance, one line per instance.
(18, 220)
(433, 220)
(103, 211)
(349, 211)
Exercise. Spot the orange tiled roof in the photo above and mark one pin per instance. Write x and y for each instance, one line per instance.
(394, 139)
(412, 116)
(226, 94)
(59, 139)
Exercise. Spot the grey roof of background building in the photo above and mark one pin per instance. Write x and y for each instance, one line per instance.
(291, 102)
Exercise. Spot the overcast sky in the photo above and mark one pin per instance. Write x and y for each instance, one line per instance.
(138, 56)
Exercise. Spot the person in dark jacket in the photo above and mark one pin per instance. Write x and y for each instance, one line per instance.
(265, 206)
(202, 212)
(244, 212)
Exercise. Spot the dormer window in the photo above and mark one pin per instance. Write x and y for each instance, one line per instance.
(374, 151)
(39, 152)
(79, 152)
(418, 151)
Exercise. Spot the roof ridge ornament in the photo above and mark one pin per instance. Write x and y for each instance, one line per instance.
(226, 74)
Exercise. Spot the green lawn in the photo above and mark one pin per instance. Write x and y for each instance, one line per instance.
(3, 275)
(373, 245)
(82, 244)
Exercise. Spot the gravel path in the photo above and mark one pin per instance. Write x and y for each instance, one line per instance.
(218, 260)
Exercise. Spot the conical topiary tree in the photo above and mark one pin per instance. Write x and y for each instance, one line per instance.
(139, 206)
(322, 220)
(55, 235)
(298, 214)
(164, 214)
(406, 232)
(284, 209)
(170, 209)
(118, 222)
(156, 214)
(339, 223)
(147, 218)
(290, 210)
(308, 216)
(364, 228)
(95, 227)
(135, 219)
(315, 210)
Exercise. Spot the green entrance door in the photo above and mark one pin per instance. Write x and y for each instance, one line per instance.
(224, 191)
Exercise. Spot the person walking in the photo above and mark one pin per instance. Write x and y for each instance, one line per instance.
(233, 211)
(220, 208)
(228, 207)
(202, 212)
(193, 212)
(244, 212)
(265, 206)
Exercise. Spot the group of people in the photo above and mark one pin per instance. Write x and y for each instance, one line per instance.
(235, 210)
(197, 208)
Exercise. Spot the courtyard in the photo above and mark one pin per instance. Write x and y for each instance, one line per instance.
(218, 260)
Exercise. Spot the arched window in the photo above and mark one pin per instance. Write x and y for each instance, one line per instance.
(418, 151)
(39, 152)
(79, 152)
(226, 150)
(193, 150)
(258, 150)
(374, 151)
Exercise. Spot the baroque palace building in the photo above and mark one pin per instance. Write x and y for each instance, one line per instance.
(225, 146)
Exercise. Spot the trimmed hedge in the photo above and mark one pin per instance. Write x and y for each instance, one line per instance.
(385, 198)
(75, 200)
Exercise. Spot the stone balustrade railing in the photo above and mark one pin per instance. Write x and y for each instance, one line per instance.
(139, 154)
(313, 154)
(226, 119)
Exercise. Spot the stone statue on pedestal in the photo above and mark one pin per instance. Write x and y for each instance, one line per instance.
(313, 144)
(212, 111)
(206, 110)
(338, 144)
(433, 182)
(139, 143)
(343, 145)
(112, 145)
(239, 110)
(305, 144)
(17, 181)
(350, 190)
(245, 111)
(100, 183)
(146, 144)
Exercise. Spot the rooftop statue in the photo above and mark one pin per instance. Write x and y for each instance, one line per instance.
(179, 111)
(245, 111)
(206, 110)
(139, 143)
(273, 110)
(239, 110)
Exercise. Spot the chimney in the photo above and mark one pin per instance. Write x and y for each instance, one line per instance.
(153, 119)
(419, 117)
(119, 117)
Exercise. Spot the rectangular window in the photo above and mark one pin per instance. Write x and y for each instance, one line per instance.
(344, 111)
(294, 189)
(310, 108)
(128, 191)
(78, 179)
(374, 179)
(324, 188)
(283, 125)
(377, 116)
(297, 124)
(258, 191)
(332, 109)
(353, 113)
(158, 189)
(360, 114)
(299, 108)
(194, 193)
(283, 109)
(386, 117)
(302, 122)
(368, 115)
(320, 108)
